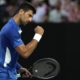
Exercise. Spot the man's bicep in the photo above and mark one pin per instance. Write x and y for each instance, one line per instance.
(21, 49)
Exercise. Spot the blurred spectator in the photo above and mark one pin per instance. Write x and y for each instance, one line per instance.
(8, 10)
(65, 4)
(20, 2)
(78, 11)
(52, 3)
(72, 14)
(2, 10)
(56, 14)
(2, 2)
(11, 9)
(35, 3)
(41, 12)
(46, 10)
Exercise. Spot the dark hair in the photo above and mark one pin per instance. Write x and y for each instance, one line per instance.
(27, 6)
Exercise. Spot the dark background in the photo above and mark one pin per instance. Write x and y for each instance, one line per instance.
(61, 42)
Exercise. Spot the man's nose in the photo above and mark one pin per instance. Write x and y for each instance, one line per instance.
(30, 19)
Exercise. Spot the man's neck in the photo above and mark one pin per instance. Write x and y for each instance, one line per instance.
(16, 19)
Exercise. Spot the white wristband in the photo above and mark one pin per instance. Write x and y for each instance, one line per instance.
(37, 37)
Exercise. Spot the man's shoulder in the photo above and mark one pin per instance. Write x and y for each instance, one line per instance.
(9, 24)
(7, 27)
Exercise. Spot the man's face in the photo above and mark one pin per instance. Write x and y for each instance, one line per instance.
(26, 17)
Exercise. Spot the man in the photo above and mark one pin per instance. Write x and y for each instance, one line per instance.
(11, 45)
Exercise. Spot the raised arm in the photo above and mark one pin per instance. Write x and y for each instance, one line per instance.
(26, 50)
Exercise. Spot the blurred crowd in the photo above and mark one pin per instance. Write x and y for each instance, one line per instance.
(54, 11)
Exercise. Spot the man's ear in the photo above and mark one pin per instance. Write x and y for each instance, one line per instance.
(21, 11)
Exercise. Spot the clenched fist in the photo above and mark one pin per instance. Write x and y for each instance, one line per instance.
(39, 30)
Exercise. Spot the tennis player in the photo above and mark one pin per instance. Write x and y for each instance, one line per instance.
(11, 44)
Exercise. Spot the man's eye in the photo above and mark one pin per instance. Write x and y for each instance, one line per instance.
(30, 15)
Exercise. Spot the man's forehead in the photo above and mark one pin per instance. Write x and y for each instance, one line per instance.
(30, 12)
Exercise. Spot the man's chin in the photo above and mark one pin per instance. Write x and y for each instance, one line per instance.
(25, 24)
